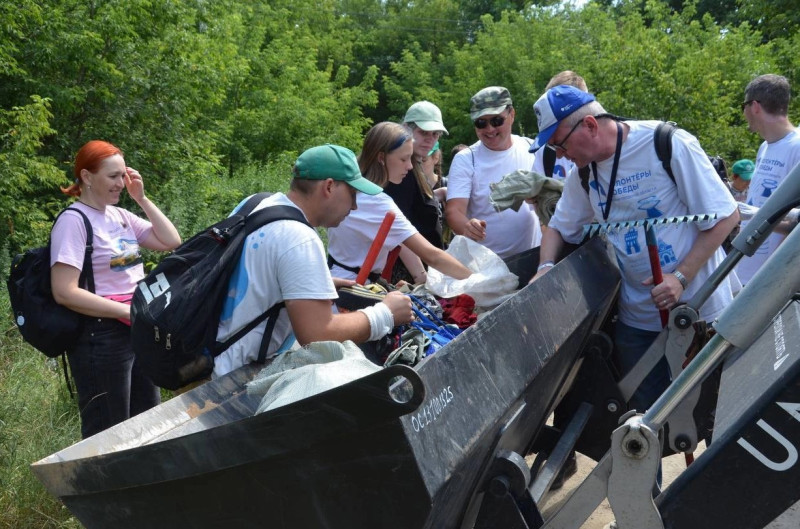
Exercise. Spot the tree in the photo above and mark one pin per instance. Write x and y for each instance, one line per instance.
(25, 173)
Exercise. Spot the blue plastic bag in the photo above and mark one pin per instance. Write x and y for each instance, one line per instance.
(439, 332)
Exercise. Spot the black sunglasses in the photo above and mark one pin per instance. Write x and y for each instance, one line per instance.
(495, 122)
(748, 103)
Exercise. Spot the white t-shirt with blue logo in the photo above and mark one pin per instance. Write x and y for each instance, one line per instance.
(282, 260)
(643, 189)
(773, 162)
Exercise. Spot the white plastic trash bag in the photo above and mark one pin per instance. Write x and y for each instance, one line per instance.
(491, 282)
(304, 372)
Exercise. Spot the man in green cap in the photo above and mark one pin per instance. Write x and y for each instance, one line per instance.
(497, 153)
(740, 180)
(285, 261)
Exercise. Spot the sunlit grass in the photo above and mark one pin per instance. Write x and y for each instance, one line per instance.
(37, 417)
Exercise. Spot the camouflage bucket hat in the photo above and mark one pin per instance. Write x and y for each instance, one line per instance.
(490, 100)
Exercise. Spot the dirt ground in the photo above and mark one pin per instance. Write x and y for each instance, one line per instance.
(672, 467)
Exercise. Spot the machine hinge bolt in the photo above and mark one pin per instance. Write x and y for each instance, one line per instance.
(634, 446)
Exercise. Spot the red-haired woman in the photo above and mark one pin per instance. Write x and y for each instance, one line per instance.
(110, 388)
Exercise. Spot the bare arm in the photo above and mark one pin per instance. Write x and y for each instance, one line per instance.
(788, 223)
(456, 213)
(784, 227)
(552, 243)
(64, 279)
(413, 264)
(163, 236)
(436, 257)
(313, 321)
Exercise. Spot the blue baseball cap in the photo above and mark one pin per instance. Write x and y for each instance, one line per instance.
(555, 105)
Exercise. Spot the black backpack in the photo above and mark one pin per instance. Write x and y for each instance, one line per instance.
(175, 309)
(662, 141)
(49, 327)
(549, 161)
(663, 144)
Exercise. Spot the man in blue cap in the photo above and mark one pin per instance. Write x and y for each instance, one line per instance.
(285, 261)
(625, 180)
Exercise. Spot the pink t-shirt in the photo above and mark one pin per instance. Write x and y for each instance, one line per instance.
(116, 260)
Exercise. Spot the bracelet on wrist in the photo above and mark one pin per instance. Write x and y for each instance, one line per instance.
(680, 277)
(546, 264)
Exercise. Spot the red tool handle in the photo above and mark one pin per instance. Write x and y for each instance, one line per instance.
(658, 277)
(375, 248)
(655, 266)
(391, 259)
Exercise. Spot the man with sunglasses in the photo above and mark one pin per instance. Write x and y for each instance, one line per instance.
(627, 181)
(497, 153)
(765, 107)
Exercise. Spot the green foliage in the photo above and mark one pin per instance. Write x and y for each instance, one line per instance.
(199, 201)
(37, 418)
(775, 19)
(29, 178)
(212, 101)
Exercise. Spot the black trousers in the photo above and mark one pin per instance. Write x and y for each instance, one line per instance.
(110, 387)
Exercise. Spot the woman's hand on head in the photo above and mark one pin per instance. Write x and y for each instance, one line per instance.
(134, 184)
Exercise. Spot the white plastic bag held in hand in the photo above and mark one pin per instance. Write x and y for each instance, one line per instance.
(490, 284)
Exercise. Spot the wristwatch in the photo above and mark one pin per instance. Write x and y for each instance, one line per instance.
(680, 277)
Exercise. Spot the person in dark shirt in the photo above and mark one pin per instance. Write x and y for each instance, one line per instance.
(414, 195)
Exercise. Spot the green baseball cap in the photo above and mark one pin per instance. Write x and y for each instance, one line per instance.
(333, 161)
(744, 168)
(426, 116)
(490, 100)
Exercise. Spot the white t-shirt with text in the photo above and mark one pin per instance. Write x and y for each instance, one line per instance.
(561, 168)
(773, 163)
(643, 189)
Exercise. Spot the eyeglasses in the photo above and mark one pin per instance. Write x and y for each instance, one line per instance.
(561, 146)
(748, 103)
(495, 122)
